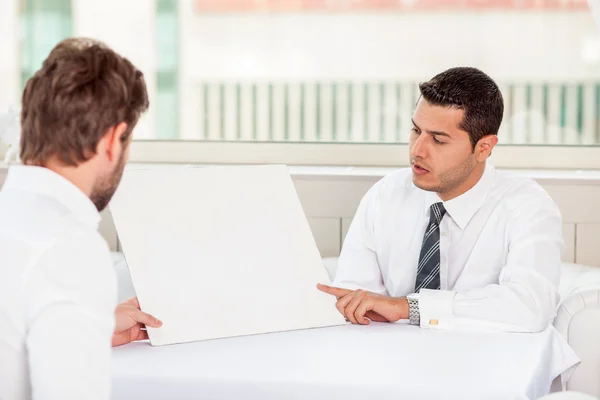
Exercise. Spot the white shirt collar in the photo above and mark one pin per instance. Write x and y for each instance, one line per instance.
(462, 208)
(46, 182)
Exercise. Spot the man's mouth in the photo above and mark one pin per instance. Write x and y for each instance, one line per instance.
(417, 169)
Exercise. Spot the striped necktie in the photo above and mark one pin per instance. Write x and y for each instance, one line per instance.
(428, 271)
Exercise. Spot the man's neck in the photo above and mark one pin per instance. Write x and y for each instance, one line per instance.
(467, 185)
(78, 176)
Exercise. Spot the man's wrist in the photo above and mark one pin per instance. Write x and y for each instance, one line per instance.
(403, 308)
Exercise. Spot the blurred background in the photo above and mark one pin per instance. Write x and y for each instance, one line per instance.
(325, 71)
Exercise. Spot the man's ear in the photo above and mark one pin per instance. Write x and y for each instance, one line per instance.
(483, 149)
(112, 143)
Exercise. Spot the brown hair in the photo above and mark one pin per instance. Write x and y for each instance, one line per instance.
(473, 91)
(82, 89)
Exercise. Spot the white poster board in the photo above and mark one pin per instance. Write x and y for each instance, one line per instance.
(220, 252)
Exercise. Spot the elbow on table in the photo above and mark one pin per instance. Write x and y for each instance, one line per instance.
(536, 319)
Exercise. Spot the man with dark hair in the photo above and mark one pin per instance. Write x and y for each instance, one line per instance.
(57, 284)
(451, 241)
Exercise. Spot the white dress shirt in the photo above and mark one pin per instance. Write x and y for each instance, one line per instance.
(500, 251)
(57, 291)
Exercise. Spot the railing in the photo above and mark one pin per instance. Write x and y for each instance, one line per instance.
(564, 113)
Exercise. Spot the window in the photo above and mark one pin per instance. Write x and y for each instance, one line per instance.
(43, 23)
(335, 81)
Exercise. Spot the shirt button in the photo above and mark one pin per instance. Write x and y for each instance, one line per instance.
(443, 233)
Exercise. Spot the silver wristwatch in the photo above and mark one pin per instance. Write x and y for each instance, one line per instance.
(413, 309)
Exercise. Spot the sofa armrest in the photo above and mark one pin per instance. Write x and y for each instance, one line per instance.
(578, 320)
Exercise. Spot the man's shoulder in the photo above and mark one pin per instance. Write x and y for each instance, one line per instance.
(518, 191)
(37, 230)
(59, 244)
(393, 190)
(515, 184)
(74, 266)
(39, 219)
(78, 249)
(57, 259)
(396, 182)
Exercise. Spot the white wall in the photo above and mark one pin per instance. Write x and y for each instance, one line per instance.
(330, 201)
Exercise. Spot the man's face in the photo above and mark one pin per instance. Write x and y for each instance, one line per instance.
(106, 186)
(441, 154)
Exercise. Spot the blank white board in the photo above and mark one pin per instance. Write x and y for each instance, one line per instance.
(220, 252)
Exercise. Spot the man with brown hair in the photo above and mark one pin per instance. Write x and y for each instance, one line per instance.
(57, 285)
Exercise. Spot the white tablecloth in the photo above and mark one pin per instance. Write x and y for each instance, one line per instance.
(380, 361)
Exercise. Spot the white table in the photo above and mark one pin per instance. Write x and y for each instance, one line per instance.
(380, 361)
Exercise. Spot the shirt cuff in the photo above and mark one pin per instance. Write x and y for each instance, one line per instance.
(435, 309)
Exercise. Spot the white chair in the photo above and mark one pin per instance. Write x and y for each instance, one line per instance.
(578, 320)
(125, 289)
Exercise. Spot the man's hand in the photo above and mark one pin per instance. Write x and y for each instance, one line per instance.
(361, 307)
(129, 321)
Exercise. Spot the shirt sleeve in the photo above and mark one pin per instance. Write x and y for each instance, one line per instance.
(70, 298)
(358, 267)
(526, 296)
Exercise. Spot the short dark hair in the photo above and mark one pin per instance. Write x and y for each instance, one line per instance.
(472, 91)
(82, 89)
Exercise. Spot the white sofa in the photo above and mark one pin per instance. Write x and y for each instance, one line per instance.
(578, 317)
(578, 320)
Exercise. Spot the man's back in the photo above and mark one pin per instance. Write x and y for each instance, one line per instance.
(57, 290)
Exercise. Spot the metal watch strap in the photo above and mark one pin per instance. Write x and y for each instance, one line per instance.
(413, 311)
